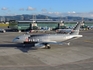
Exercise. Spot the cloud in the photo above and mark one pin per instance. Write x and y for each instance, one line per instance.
(50, 12)
(58, 13)
(54, 14)
(21, 9)
(4, 8)
(80, 14)
(10, 14)
(44, 10)
(91, 15)
(71, 12)
(30, 9)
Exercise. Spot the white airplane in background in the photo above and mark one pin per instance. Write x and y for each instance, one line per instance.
(44, 40)
(64, 31)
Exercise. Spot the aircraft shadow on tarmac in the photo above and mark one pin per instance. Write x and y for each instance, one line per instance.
(9, 30)
(20, 47)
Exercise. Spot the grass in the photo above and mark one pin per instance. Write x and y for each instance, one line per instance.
(4, 25)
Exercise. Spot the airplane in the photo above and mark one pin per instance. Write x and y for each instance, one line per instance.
(44, 40)
(64, 31)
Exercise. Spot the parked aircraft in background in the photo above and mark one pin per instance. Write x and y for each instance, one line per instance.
(64, 31)
(44, 40)
(2, 30)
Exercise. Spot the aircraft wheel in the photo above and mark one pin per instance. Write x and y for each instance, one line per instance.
(48, 47)
(23, 45)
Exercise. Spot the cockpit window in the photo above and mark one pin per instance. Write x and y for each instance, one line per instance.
(17, 38)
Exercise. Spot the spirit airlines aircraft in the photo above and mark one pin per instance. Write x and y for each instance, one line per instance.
(43, 40)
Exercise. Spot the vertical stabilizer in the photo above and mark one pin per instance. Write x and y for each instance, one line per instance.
(76, 29)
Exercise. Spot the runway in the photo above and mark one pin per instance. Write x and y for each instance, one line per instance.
(77, 56)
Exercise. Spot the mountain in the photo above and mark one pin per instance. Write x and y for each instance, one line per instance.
(28, 17)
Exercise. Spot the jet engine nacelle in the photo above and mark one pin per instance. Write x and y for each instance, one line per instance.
(39, 45)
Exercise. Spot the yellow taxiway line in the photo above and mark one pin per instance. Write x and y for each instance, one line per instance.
(89, 41)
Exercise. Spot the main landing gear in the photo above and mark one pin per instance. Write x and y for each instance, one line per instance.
(24, 45)
(47, 46)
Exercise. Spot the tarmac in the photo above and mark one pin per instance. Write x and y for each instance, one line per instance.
(77, 56)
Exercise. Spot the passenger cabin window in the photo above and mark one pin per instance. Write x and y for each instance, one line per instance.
(37, 35)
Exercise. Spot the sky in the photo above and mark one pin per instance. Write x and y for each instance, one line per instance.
(48, 7)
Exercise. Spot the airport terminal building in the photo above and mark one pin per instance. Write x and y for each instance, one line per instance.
(28, 25)
(24, 25)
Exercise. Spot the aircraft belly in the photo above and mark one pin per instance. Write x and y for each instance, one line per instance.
(58, 38)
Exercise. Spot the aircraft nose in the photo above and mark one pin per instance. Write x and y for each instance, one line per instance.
(14, 40)
(18, 40)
